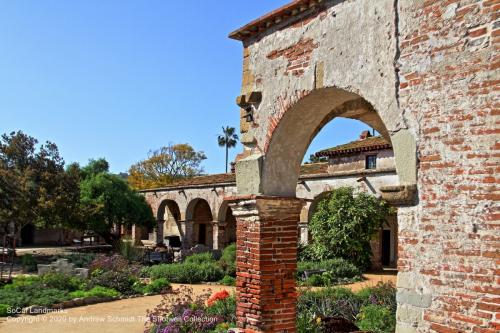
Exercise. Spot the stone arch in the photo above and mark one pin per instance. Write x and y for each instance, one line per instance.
(289, 138)
(227, 225)
(169, 219)
(199, 215)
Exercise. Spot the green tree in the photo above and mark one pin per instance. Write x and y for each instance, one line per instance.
(344, 224)
(228, 139)
(107, 201)
(166, 165)
(34, 187)
(316, 159)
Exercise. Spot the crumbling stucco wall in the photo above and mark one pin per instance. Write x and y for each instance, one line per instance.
(290, 63)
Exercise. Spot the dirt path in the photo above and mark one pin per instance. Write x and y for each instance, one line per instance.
(122, 316)
(119, 316)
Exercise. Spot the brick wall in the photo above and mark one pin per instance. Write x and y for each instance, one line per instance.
(449, 83)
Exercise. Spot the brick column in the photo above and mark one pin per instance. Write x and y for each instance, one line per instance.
(266, 259)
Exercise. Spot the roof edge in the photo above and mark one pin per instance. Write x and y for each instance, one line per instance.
(272, 18)
(326, 153)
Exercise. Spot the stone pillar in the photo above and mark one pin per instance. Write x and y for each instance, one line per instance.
(303, 232)
(218, 235)
(266, 258)
(159, 231)
(186, 227)
(136, 234)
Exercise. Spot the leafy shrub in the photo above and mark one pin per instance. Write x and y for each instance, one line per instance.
(228, 281)
(329, 302)
(14, 298)
(343, 225)
(61, 281)
(199, 258)
(145, 272)
(34, 290)
(304, 252)
(121, 281)
(317, 280)
(187, 272)
(342, 302)
(95, 292)
(376, 319)
(338, 271)
(47, 297)
(210, 272)
(29, 263)
(4, 310)
(382, 294)
(22, 281)
(228, 260)
(157, 286)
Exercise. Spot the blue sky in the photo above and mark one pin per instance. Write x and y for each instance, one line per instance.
(118, 78)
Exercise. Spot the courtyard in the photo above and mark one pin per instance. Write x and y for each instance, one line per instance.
(361, 194)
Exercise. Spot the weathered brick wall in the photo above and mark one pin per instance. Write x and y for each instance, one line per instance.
(449, 246)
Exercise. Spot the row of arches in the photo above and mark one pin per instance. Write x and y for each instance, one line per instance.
(198, 224)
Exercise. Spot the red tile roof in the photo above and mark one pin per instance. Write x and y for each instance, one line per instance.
(368, 144)
(268, 20)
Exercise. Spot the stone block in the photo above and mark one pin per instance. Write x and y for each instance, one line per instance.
(400, 328)
(83, 273)
(413, 298)
(248, 174)
(43, 269)
(409, 314)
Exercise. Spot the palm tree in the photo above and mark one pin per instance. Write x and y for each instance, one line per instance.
(228, 139)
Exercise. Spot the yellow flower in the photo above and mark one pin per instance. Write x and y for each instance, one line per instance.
(318, 320)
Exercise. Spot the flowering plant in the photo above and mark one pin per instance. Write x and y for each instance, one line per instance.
(180, 312)
(217, 296)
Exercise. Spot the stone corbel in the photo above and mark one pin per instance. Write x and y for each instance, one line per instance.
(399, 194)
(248, 104)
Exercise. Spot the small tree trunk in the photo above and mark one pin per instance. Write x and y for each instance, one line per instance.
(227, 149)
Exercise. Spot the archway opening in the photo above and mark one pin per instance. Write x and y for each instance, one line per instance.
(300, 124)
(200, 214)
(168, 217)
(353, 148)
